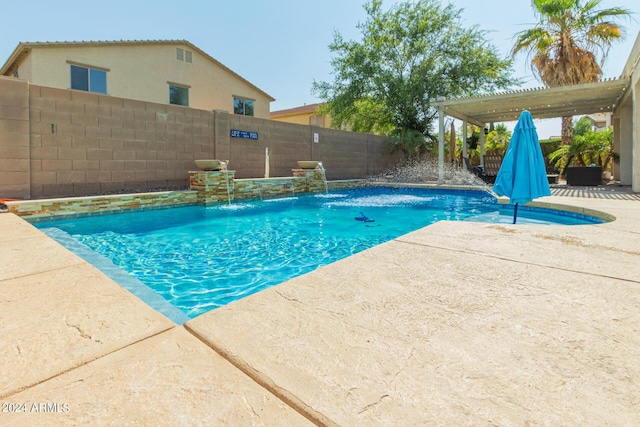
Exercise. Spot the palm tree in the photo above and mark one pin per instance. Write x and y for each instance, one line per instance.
(564, 43)
(497, 141)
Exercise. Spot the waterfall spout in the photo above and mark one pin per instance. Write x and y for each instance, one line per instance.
(324, 177)
(226, 180)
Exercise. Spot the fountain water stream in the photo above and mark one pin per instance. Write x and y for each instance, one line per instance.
(427, 172)
(324, 177)
(226, 179)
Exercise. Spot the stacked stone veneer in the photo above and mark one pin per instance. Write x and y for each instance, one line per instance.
(265, 188)
(312, 182)
(100, 204)
(212, 186)
(206, 188)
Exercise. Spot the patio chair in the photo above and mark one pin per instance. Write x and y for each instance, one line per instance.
(481, 172)
(492, 165)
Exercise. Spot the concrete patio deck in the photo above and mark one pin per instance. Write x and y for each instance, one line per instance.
(455, 324)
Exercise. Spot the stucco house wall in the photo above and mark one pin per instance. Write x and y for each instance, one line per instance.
(635, 95)
(626, 124)
(140, 70)
(304, 115)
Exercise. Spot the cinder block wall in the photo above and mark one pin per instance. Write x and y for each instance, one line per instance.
(85, 143)
(14, 138)
(56, 143)
(345, 155)
(287, 144)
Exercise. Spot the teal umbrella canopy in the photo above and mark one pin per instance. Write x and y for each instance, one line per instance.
(522, 176)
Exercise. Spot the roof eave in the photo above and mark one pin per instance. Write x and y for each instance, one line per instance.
(24, 46)
(17, 52)
(220, 64)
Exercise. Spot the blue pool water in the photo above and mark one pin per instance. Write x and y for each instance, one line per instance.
(199, 258)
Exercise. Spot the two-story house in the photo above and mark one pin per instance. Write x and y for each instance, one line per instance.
(161, 71)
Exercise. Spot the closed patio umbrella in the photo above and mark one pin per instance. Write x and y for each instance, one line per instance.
(522, 176)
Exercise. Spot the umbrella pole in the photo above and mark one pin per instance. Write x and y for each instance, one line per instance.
(515, 213)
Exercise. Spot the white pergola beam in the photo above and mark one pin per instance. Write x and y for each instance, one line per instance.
(562, 101)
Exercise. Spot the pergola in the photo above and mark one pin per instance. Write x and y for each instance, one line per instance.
(587, 98)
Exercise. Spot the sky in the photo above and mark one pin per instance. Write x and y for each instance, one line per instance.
(281, 46)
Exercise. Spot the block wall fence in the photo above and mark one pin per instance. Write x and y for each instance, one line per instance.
(59, 143)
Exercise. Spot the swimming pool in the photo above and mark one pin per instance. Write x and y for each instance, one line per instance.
(199, 258)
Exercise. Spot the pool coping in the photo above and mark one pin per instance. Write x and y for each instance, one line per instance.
(75, 207)
(619, 237)
(156, 301)
(118, 275)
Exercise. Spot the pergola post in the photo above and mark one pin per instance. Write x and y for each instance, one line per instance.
(626, 144)
(622, 95)
(616, 145)
(635, 138)
(482, 145)
(441, 141)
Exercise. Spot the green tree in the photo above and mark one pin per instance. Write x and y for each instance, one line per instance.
(410, 142)
(497, 140)
(408, 56)
(565, 43)
(582, 126)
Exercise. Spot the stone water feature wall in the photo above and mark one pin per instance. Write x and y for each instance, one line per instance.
(212, 186)
(207, 188)
(98, 205)
(264, 188)
(220, 186)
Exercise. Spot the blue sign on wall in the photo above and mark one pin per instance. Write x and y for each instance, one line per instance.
(235, 133)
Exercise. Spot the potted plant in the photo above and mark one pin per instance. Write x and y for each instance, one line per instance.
(584, 160)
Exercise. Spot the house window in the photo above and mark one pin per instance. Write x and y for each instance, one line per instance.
(88, 79)
(178, 95)
(184, 55)
(244, 107)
